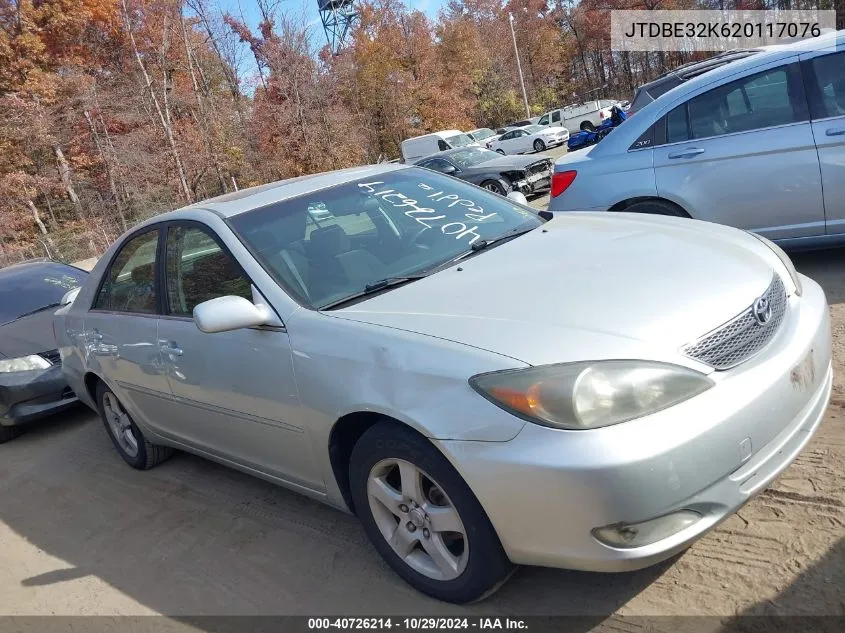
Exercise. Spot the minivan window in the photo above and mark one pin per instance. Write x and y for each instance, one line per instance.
(459, 140)
(828, 99)
(759, 101)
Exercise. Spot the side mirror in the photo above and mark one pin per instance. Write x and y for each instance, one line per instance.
(69, 296)
(449, 170)
(224, 314)
(519, 197)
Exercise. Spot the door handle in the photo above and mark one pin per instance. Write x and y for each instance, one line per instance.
(687, 153)
(169, 348)
(835, 131)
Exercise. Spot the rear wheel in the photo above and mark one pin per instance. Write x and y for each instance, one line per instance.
(422, 517)
(125, 434)
(495, 187)
(586, 126)
(539, 145)
(657, 207)
(8, 433)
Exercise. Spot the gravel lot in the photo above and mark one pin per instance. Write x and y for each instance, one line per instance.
(81, 533)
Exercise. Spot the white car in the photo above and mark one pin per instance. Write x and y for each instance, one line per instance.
(532, 138)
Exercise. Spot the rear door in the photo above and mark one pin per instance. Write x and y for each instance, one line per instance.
(742, 154)
(824, 76)
(235, 391)
(120, 330)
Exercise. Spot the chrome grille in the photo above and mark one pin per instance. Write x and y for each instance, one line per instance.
(740, 338)
(52, 355)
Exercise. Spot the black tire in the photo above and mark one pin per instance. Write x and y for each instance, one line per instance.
(586, 126)
(501, 151)
(495, 187)
(148, 454)
(487, 566)
(8, 433)
(657, 207)
(539, 145)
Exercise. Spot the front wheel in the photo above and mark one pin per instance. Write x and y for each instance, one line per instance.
(539, 145)
(495, 187)
(422, 517)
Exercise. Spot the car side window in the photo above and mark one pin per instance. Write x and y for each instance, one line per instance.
(438, 164)
(506, 136)
(763, 100)
(544, 120)
(676, 125)
(827, 95)
(130, 283)
(556, 116)
(198, 269)
(442, 145)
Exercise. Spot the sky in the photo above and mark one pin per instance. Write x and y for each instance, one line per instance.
(308, 9)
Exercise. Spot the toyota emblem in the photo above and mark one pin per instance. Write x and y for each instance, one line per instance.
(762, 310)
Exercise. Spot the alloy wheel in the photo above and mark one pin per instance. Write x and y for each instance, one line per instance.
(120, 424)
(417, 519)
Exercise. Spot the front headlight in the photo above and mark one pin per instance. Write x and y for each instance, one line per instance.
(784, 258)
(24, 363)
(589, 395)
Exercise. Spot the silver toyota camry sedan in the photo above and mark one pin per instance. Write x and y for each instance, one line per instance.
(480, 385)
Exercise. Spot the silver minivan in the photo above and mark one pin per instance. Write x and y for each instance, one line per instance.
(758, 144)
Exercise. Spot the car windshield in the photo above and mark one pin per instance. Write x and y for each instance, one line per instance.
(483, 133)
(397, 224)
(30, 287)
(459, 140)
(472, 156)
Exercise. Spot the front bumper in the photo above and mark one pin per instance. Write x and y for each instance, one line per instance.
(546, 490)
(29, 395)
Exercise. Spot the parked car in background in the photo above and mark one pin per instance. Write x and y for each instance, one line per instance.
(581, 116)
(534, 138)
(496, 173)
(31, 382)
(758, 144)
(482, 135)
(415, 148)
(513, 126)
(647, 93)
(408, 363)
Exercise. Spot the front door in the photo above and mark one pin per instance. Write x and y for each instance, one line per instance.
(120, 331)
(235, 391)
(742, 154)
(824, 75)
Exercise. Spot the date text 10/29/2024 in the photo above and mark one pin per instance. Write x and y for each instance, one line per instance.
(417, 624)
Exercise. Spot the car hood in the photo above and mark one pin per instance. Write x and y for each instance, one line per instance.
(29, 335)
(504, 163)
(586, 286)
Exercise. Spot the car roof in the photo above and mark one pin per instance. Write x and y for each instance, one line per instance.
(237, 202)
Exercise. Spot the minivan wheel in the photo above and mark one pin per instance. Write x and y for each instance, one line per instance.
(422, 517)
(539, 145)
(657, 207)
(127, 438)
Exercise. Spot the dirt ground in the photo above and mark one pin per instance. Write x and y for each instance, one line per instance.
(81, 533)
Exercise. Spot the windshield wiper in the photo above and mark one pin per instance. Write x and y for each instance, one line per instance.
(374, 287)
(481, 245)
(36, 311)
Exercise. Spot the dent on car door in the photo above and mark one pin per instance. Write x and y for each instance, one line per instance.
(235, 391)
(120, 330)
(824, 77)
(742, 154)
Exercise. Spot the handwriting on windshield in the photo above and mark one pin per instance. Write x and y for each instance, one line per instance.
(427, 216)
